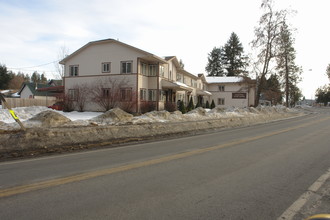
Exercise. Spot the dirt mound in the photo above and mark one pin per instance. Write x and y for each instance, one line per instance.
(158, 114)
(113, 115)
(49, 118)
(218, 110)
(199, 110)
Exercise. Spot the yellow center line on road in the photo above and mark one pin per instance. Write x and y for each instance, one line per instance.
(85, 176)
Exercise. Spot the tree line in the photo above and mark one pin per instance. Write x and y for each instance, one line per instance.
(277, 74)
(11, 80)
(323, 93)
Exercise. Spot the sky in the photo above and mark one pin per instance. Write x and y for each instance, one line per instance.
(34, 31)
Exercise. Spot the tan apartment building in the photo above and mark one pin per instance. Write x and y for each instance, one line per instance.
(128, 77)
(108, 73)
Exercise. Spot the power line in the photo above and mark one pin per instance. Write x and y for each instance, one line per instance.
(30, 67)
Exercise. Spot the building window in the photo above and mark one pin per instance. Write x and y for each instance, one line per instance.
(194, 83)
(221, 101)
(178, 77)
(221, 88)
(126, 94)
(161, 71)
(106, 67)
(143, 95)
(152, 94)
(74, 70)
(106, 92)
(126, 67)
(152, 70)
(72, 93)
(144, 69)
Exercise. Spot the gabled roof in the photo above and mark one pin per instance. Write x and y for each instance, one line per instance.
(230, 79)
(32, 87)
(106, 41)
(225, 79)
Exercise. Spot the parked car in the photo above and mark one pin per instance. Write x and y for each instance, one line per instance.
(57, 106)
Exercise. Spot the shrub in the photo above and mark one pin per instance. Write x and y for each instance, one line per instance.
(207, 105)
(170, 106)
(190, 105)
(182, 108)
(212, 104)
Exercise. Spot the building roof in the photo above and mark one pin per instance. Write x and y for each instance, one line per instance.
(33, 87)
(147, 54)
(225, 79)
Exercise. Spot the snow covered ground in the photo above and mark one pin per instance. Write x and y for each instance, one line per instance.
(25, 113)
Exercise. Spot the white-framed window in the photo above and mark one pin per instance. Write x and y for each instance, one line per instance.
(221, 88)
(144, 69)
(152, 70)
(106, 67)
(152, 95)
(74, 70)
(126, 66)
(221, 101)
(162, 71)
(179, 77)
(73, 94)
(194, 83)
(126, 94)
(143, 94)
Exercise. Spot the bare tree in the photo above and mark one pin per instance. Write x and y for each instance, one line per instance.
(108, 93)
(62, 53)
(82, 93)
(266, 42)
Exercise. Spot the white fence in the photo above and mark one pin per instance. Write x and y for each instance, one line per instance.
(18, 102)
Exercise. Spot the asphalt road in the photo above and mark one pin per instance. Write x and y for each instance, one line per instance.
(254, 172)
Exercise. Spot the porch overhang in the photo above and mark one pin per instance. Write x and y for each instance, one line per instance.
(175, 86)
(203, 93)
(153, 58)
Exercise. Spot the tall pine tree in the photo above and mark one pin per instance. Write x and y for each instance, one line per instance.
(234, 59)
(214, 65)
(288, 70)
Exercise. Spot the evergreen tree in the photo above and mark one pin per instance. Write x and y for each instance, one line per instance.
(233, 59)
(272, 90)
(5, 77)
(190, 105)
(182, 108)
(214, 65)
(181, 64)
(212, 104)
(328, 71)
(43, 79)
(288, 70)
(207, 105)
(35, 78)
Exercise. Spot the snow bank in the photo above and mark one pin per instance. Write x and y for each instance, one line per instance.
(33, 117)
(49, 130)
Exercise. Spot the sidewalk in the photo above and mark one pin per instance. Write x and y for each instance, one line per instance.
(318, 203)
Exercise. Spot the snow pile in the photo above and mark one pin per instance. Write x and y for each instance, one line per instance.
(23, 113)
(44, 117)
(47, 118)
(113, 116)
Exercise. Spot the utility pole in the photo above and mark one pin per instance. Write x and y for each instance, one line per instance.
(3, 100)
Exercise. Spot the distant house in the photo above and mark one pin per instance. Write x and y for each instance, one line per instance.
(232, 91)
(40, 91)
